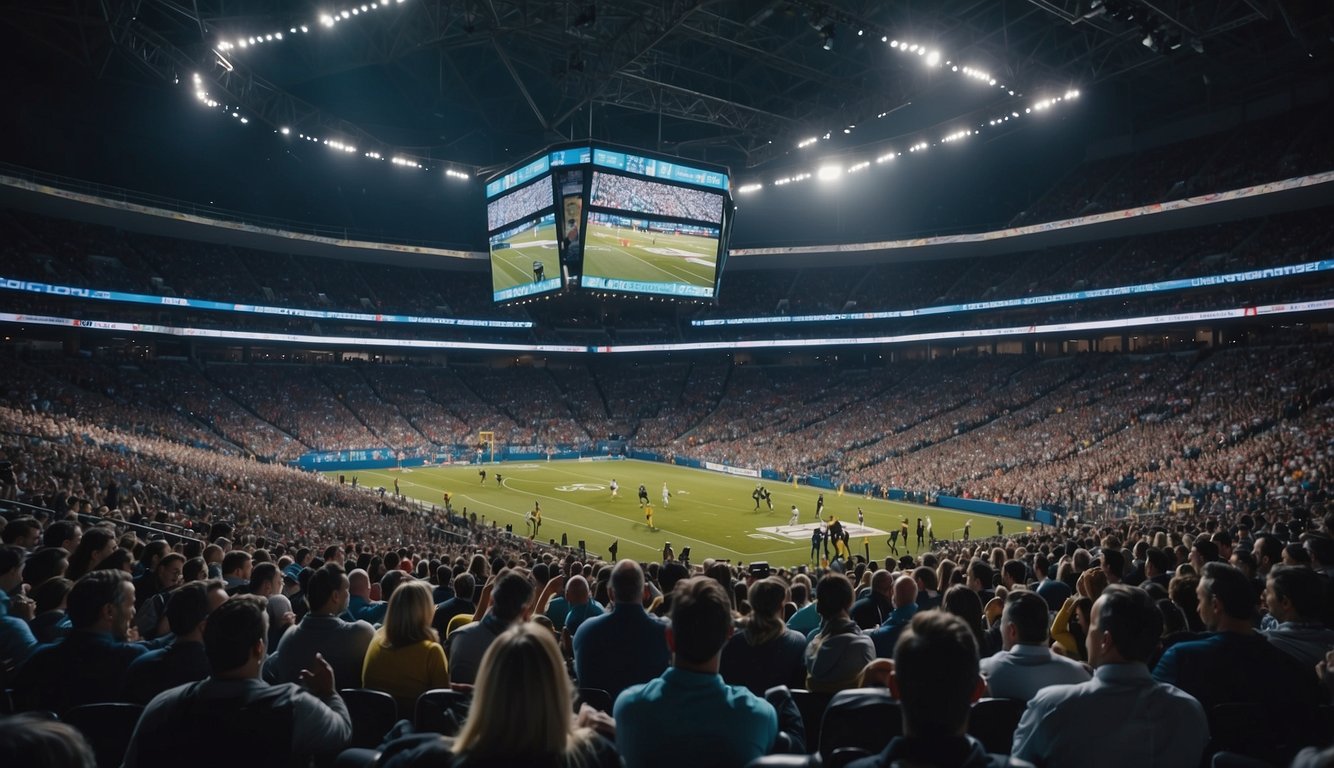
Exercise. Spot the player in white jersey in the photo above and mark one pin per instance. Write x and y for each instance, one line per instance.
(666, 495)
(615, 489)
(791, 521)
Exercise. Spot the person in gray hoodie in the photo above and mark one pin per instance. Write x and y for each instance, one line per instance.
(838, 651)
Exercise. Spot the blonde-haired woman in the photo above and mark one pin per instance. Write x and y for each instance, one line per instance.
(520, 713)
(405, 658)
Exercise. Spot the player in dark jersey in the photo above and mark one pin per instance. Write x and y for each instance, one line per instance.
(643, 495)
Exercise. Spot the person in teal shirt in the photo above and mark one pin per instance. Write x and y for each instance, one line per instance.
(688, 715)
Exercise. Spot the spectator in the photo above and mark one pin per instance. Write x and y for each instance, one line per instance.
(928, 588)
(38, 742)
(689, 716)
(17, 641)
(935, 678)
(360, 606)
(581, 607)
(765, 653)
(1121, 717)
(1027, 665)
(1234, 663)
(233, 717)
(458, 605)
(64, 534)
(511, 595)
(600, 660)
(95, 546)
(1294, 597)
(89, 665)
(405, 658)
(236, 567)
(871, 611)
(184, 661)
(51, 623)
(838, 650)
(322, 632)
(906, 605)
(151, 593)
(534, 728)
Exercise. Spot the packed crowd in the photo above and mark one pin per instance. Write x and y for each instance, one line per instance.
(177, 579)
(642, 196)
(515, 205)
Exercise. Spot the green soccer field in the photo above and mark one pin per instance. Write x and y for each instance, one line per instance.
(513, 265)
(709, 512)
(625, 254)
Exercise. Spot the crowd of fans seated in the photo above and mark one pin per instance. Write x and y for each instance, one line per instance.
(513, 206)
(253, 596)
(640, 196)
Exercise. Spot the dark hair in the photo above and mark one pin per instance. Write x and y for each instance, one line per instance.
(1232, 589)
(1174, 619)
(464, 586)
(1028, 613)
(1301, 586)
(234, 561)
(154, 549)
(935, 667)
(1207, 549)
(11, 557)
(91, 594)
(1320, 548)
(59, 532)
(118, 560)
(701, 617)
(18, 528)
(188, 605)
(964, 603)
(81, 559)
(1270, 547)
(194, 568)
(45, 563)
(510, 594)
(925, 575)
(978, 569)
(323, 584)
(1016, 570)
(1042, 565)
(232, 631)
(51, 593)
(38, 742)
(262, 574)
(1114, 561)
(1132, 619)
(1159, 559)
(800, 592)
(833, 595)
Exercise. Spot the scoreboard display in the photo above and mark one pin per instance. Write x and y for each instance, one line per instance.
(596, 218)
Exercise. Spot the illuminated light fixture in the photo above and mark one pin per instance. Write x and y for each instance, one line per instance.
(894, 44)
(829, 172)
(244, 121)
(933, 59)
(285, 130)
(954, 69)
(453, 174)
(847, 130)
(746, 189)
(863, 165)
(346, 15)
(807, 142)
(327, 20)
(304, 29)
(885, 157)
(242, 44)
(884, 39)
(912, 47)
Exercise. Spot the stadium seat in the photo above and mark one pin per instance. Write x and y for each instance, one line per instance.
(594, 697)
(845, 755)
(1260, 732)
(107, 727)
(441, 711)
(786, 761)
(7, 702)
(357, 758)
(812, 706)
(993, 721)
(373, 714)
(867, 718)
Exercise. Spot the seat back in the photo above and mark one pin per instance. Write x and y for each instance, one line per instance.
(1260, 731)
(865, 718)
(441, 711)
(373, 714)
(594, 697)
(812, 706)
(107, 727)
(992, 722)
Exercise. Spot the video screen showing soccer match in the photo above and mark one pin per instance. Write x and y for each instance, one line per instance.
(642, 196)
(639, 255)
(524, 260)
(518, 204)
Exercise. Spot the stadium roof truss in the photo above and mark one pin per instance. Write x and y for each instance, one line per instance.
(484, 82)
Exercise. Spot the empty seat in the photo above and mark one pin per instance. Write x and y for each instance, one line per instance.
(373, 714)
(992, 722)
(865, 718)
(107, 727)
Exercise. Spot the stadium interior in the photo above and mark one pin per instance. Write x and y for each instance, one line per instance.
(984, 300)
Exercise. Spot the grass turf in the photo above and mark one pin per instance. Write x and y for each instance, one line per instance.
(624, 254)
(709, 512)
(513, 265)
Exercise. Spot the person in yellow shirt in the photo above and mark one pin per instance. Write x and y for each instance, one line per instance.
(648, 516)
(405, 658)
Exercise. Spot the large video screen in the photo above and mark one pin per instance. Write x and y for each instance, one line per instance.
(655, 198)
(525, 260)
(645, 255)
(519, 204)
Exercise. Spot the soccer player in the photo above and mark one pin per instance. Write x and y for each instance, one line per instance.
(903, 533)
(920, 533)
(538, 271)
(756, 495)
(894, 542)
(792, 521)
(499, 479)
(531, 522)
(482, 474)
(768, 497)
(648, 515)
(615, 489)
(861, 518)
(643, 495)
(819, 506)
(816, 537)
(967, 529)
(666, 495)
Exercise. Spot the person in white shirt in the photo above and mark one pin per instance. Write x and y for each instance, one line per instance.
(1027, 664)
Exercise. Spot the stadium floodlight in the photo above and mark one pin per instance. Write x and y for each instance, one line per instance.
(894, 44)
(933, 59)
(746, 189)
(884, 39)
(285, 130)
(830, 172)
(327, 20)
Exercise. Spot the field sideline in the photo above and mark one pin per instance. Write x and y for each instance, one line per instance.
(709, 512)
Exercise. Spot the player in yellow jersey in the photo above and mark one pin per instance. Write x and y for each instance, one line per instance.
(648, 516)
